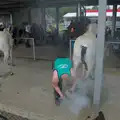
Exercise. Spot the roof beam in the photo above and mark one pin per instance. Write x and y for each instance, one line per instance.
(60, 3)
(12, 6)
(48, 3)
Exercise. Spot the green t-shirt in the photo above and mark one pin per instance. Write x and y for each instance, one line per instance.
(63, 66)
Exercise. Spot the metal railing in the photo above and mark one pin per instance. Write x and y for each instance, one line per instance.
(71, 43)
(33, 45)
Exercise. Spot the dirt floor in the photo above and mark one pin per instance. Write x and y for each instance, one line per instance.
(29, 93)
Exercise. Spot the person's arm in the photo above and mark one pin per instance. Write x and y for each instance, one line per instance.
(55, 81)
(58, 90)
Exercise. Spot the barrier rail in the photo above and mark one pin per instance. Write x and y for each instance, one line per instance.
(33, 44)
(71, 43)
(113, 42)
(71, 46)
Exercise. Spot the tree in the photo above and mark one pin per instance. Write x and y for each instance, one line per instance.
(51, 12)
(63, 11)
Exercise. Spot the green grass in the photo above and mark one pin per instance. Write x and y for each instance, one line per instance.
(61, 27)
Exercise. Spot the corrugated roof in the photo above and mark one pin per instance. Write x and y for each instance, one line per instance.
(5, 4)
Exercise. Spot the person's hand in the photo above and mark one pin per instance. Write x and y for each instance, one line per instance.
(62, 97)
(71, 90)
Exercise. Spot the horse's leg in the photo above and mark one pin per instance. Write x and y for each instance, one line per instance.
(90, 71)
(76, 62)
(11, 61)
(11, 56)
(83, 72)
(6, 57)
(93, 73)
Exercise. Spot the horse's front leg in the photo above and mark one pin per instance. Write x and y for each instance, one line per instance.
(76, 62)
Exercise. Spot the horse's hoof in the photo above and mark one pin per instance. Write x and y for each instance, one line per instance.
(13, 65)
(11, 73)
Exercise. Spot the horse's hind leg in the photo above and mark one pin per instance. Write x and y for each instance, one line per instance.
(11, 57)
(6, 57)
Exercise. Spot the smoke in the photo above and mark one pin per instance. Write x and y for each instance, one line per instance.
(79, 103)
(81, 98)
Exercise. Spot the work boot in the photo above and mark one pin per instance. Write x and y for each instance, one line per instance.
(58, 101)
(99, 117)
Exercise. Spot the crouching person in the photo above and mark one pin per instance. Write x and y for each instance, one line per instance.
(62, 71)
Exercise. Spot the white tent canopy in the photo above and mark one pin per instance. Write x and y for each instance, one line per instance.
(90, 14)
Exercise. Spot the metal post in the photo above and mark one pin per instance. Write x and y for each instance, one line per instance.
(11, 19)
(78, 11)
(114, 20)
(57, 20)
(99, 54)
(84, 11)
(34, 54)
(43, 18)
(29, 15)
(70, 47)
(33, 43)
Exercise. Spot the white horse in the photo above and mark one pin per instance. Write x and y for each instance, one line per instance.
(6, 44)
(84, 52)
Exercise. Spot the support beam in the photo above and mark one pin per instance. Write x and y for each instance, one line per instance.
(99, 54)
(11, 19)
(78, 11)
(57, 20)
(114, 19)
(43, 19)
(84, 10)
(29, 15)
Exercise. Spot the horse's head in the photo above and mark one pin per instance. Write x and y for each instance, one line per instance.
(8, 30)
(92, 28)
(81, 26)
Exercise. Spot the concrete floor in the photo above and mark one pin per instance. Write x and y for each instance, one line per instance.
(30, 90)
(29, 93)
